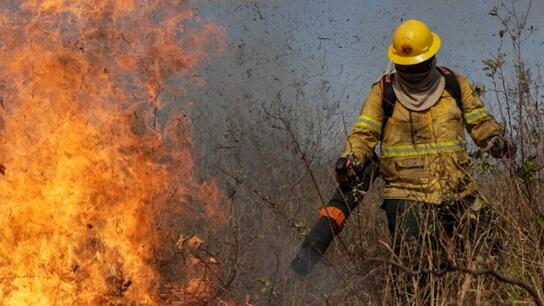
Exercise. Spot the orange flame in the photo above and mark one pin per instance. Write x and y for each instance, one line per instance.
(87, 167)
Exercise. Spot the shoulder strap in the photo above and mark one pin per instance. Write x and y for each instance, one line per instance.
(388, 99)
(452, 85)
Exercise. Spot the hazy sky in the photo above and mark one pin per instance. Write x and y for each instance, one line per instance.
(334, 50)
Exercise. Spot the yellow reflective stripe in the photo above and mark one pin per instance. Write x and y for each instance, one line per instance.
(422, 149)
(476, 115)
(369, 123)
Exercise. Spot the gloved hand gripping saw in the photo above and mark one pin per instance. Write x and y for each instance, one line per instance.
(354, 180)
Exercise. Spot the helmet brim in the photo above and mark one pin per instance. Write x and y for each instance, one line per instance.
(412, 60)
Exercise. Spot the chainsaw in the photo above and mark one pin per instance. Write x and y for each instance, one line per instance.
(354, 181)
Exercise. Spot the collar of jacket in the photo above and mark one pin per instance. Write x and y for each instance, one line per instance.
(418, 92)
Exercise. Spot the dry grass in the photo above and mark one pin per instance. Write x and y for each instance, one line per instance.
(279, 170)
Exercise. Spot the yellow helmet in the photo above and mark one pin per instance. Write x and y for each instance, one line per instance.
(413, 43)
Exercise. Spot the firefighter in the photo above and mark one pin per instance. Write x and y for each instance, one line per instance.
(419, 114)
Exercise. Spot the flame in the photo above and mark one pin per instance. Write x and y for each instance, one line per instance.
(89, 170)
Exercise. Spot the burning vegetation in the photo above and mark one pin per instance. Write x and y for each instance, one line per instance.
(94, 173)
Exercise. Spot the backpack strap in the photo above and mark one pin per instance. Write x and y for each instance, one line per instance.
(452, 85)
(388, 99)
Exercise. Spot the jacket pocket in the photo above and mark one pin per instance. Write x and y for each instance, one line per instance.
(458, 173)
(411, 171)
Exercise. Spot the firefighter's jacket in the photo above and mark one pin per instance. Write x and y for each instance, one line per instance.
(423, 154)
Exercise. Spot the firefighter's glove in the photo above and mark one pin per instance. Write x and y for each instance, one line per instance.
(346, 171)
(500, 147)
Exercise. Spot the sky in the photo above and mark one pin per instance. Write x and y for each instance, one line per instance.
(332, 51)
